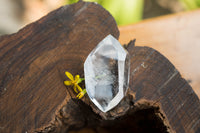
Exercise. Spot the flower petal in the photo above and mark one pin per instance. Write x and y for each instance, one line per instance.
(68, 83)
(77, 78)
(80, 95)
(69, 75)
(75, 89)
(79, 88)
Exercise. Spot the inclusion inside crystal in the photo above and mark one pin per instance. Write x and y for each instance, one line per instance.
(107, 73)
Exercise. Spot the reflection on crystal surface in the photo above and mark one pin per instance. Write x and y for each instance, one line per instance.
(107, 73)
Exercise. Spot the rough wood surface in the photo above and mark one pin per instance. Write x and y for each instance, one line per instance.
(33, 62)
(155, 78)
(34, 98)
(176, 36)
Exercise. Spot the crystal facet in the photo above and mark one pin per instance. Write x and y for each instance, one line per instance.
(107, 73)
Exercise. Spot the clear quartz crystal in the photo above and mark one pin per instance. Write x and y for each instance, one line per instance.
(107, 73)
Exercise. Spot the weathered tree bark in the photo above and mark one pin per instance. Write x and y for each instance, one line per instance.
(33, 97)
(176, 36)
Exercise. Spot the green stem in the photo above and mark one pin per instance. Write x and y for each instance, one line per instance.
(80, 80)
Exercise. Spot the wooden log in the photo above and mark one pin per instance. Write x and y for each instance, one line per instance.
(33, 62)
(176, 36)
(33, 97)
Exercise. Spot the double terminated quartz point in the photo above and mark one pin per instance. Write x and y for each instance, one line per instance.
(107, 73)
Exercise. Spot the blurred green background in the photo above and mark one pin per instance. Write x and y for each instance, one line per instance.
(124, 11)
(131, 11)
(15, 14)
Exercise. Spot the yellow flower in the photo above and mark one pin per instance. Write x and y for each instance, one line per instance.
(74, 82)
(81, 94)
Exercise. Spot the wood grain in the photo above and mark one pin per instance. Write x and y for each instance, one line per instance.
(176, 36)
(154, 78)
(33, 97)
(33, 62)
